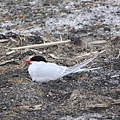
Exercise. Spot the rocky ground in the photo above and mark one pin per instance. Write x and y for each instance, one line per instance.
(92, 26)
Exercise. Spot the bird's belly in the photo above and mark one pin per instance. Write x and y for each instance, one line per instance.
(43, 76)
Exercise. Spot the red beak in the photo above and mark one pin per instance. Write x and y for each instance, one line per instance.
(28, 61)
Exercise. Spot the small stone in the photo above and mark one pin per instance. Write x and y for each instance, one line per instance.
(107, 29)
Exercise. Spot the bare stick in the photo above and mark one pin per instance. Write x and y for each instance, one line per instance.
(5, 62)
(41, 45)
(88, 54)
(10, 52)
(98, 42)
(3, 40)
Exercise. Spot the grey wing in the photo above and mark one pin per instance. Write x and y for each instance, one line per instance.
(76, 68)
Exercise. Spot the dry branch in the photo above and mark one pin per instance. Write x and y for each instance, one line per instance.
(3, 40)
(90, 53)
(98, 42)
(5, 62)
(106, 104)
(41, 45)
(86, 54)
(10, 52)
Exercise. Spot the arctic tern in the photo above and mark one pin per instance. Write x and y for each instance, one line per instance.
(42, 71)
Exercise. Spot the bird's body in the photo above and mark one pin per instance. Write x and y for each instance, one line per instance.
(42, 71)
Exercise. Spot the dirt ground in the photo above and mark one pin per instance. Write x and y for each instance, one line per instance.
(91, 95)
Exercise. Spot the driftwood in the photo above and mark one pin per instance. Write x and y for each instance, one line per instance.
(42, 45)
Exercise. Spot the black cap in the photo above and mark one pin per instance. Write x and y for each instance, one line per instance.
(38, 59)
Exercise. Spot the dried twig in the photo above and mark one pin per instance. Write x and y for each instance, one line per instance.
(118, 54)
(41, 45)
(98, 42)
(113, 76)
(3, 40)
(53, 56)
(5, 62)
(13, 40)
(36, 51)
(106, 104)
(102, 105)
(10, 52)
(88, 54)
(29, 108)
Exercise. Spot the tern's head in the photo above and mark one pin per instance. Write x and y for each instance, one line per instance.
(36, 59)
